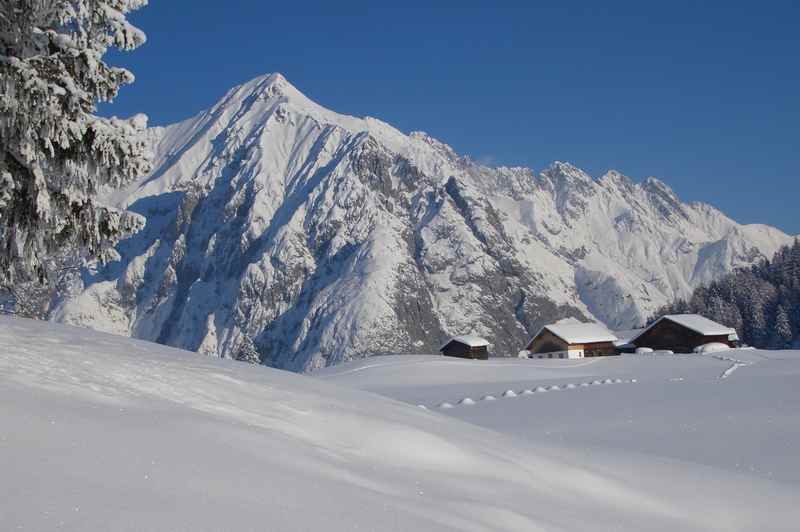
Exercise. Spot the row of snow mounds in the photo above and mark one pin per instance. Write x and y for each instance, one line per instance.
(508, 394)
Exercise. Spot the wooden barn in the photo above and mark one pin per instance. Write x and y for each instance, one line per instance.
(571, 338)
(682, 333)
(466, 346)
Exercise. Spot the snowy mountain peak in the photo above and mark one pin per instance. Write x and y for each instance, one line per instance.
(273, 96)
(274, 87)
(566, 171)
(618, 179)
(654, 184)
(281, 230)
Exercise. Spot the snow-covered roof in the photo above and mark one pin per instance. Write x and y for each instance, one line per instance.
(573, 331)
(696, 323)
(468, 339)
(627, 336)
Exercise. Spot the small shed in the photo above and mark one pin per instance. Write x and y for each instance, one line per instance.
(681, 333)
(570, 338)
(466, 346)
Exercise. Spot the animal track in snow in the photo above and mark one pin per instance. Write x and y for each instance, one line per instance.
(736, 365)
(508, 394)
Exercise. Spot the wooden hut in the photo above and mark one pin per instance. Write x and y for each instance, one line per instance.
(571, 338)
(682, 333)
(466, 346)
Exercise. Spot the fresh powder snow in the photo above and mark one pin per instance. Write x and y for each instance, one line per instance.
(684, 422)
(106, 433)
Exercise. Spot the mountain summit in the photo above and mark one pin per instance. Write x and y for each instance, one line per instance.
(278, 227)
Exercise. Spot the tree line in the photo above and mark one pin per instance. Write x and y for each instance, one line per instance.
(761, 302)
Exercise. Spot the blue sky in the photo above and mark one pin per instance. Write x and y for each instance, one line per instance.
(704, 95)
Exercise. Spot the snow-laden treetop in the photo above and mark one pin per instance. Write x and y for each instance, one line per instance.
(55, 154)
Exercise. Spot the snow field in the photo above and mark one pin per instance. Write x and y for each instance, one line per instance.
(103, 433)
(680, 408)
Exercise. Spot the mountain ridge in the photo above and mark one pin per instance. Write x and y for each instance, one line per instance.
(313, 237)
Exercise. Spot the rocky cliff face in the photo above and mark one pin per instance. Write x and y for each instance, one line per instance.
(316, 237)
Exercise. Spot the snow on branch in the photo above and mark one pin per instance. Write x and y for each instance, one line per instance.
(55, 154)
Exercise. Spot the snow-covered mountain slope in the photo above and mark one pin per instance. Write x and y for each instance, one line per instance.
(108, 433)
(316, 237)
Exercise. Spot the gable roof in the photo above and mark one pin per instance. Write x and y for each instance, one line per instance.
(467, 339)
(694, 322)
(573, 331)
(627, 336)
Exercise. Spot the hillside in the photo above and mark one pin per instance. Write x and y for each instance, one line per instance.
(279, 227)
(107, 433)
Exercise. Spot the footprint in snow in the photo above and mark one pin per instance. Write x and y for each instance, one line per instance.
(538, 389)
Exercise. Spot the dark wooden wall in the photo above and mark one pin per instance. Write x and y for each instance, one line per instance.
(457, 349)
(599, 349)
(547, 342)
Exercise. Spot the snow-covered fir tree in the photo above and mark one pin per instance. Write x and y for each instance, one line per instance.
(55, 153)
(248, 352)
(762, 303)
(782, 332)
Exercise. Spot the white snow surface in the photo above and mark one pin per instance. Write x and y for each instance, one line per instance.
(106, 433)
(573, 331)
(320, 237)
(712, 347)
(683, 425)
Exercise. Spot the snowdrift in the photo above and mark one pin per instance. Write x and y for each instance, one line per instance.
(106, 433)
